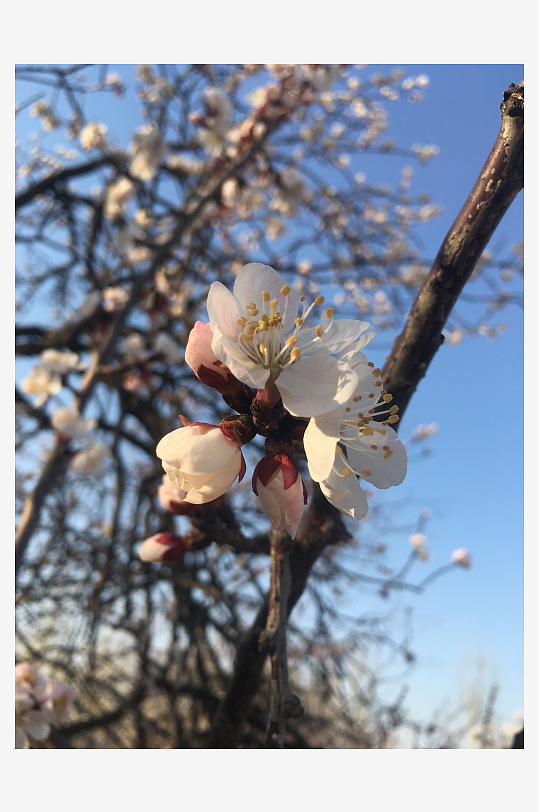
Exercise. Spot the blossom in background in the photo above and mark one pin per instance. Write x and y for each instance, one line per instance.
(45, 378)
(461, 557)
(164, 548)
(93, 135)
(348, 442)
(41, 384)
(200, 460)
(134, 349)
(417, 540)
(69, 422)
(278, 485)
(114, 298)
(169, 349)
(118, 195)
(38, 704)
(423, 431)
(261, 339)
(90, 461)
(148, 150)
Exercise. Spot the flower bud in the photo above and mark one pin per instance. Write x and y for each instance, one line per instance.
(201, 460)
(462, 558)
(164, 548)
(278, 485)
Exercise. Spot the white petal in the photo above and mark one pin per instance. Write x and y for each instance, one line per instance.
(238, 363)
(314, 386)
(195, 453)
(256, 277)
(384, 472)
(219, 483)
(223, 311)
(340, 335)
(346, 495)
(319, 441)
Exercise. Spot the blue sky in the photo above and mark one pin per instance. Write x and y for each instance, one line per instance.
(472, 483)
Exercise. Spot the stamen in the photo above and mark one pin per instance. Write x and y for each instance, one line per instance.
(285, 290)
(388, 454)
(370, 364)
(393, 419)
(319, 300)
(265, 296)
(338, 450)
(346, 472)
(386, 398)
(295, 354)
(365, 472)
(394, 409)
(291, 341)
(376, 371)
(242, 322)
(319, 331)
(330, 312)
(299, 322)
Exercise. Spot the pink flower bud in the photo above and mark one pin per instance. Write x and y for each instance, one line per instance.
(278, 485)
(164, 548)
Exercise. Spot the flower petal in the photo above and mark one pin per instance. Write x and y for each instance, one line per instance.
(223, 311)
(256, 277)
(195, 453)
(339, 336)
(314, 386)
(345, 494)
(320, 438)
(384, 472)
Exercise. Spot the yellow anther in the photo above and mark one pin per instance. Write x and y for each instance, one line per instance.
(370, 364)
(265, 296)
(360, 414)
(253, 311)
(374, 447)
(294, 355)
(368, 432)
(371, 411)
(302, 298)
(285, 290)
(347, 409)
(330, 312)
(299, 322)
(371, 395)
(394, 409)
(388, 454)
(245, 337)
(319, 300)
(380, 431)
(357, 399)
(365, 472)
(378, 383)
(383, 392)
(263, 348)
(387, 398)
(376, 371)
(384, 422)
(262, 325)
(346, 472)
(291, 341)
(242, 322)
(338, 450)
(385, 448)
(319, 331)
(393, 419)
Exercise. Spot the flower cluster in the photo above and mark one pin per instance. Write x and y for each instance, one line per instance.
(292, 372)
(38, 704)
